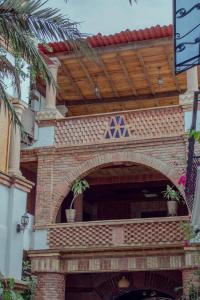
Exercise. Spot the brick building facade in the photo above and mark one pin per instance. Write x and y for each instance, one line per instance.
(127, 136)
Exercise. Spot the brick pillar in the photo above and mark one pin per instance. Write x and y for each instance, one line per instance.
(51, 286)
(189, 277)
(44, 189)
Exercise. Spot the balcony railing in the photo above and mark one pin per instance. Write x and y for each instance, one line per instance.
(132, 125)
(135, 233)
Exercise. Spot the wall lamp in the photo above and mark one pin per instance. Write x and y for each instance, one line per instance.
(24, 222)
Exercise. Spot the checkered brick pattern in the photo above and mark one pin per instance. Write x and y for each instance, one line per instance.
(135, 234)
(154, 233)
(151, 123)
(80, 236)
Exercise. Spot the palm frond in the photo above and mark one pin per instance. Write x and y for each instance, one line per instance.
(24, 23)
(8, 70)
(9, 107)
(44, 23)
(25, 46)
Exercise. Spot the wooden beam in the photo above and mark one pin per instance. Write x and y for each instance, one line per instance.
(167, 54)
(119, 48)
(112, 85)
(145, 71)
(126, 74)
(90, 79)
(72, 81)
(146, 97)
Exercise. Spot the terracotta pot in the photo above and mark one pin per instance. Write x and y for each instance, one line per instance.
(172, 208)
(70, 215)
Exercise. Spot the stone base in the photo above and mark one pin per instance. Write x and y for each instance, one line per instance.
(49, 114)
(14, 172)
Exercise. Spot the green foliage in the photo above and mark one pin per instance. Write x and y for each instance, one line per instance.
(30, 279)
(188, 231)
(171, 194)
(7, 290)
(195, 134)
(78, 187)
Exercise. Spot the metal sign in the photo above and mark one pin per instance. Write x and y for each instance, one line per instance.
(186, 34)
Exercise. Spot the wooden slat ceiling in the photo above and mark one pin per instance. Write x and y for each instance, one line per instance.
(121, 77)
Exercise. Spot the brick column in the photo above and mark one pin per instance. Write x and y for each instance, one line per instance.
(44, 188)
(51, 286)
(189, 277)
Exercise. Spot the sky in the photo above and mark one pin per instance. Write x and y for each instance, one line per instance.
(111, 16)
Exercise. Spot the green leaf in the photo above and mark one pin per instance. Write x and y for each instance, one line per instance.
(11, 283)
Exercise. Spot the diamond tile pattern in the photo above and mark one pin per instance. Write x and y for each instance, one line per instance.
(80, 236)
(135, 234)
(141, 124)
(153, 233)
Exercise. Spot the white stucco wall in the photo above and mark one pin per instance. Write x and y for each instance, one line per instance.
(4, 196)
(12, 207)
(41, 239)
(188, 120)
(44, 136)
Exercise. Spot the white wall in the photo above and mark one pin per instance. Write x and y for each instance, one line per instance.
(188, 120)
(12, 207)
(44, 136)
(4, 196)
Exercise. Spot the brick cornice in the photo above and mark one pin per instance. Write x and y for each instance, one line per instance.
(108, 146)
(42, 261)
(18, 182)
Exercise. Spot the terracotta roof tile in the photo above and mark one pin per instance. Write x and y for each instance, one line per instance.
(127, 36)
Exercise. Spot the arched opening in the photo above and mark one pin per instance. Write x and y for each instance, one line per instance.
(143, 285)
(123, 190)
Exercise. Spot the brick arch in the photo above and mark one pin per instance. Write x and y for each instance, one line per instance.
(63, 188)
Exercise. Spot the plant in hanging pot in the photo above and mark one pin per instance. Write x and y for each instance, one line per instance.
(173, 198)
(78, 188)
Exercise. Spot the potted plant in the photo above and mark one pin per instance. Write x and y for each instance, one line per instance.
(173, 198)
(78, 187)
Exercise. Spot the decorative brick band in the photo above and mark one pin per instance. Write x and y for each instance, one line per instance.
(132, 125)
(123, 233)
(114, 263)
(172, 258)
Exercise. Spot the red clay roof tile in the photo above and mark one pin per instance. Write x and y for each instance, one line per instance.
(123, 37)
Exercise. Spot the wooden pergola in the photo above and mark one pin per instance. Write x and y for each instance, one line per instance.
(122, 75)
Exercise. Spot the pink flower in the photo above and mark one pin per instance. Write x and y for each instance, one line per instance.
(182, 180)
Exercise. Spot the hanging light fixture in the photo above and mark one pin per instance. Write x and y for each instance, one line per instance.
(123, 283)
(96, 86)
(97, 93)
(160, 79)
